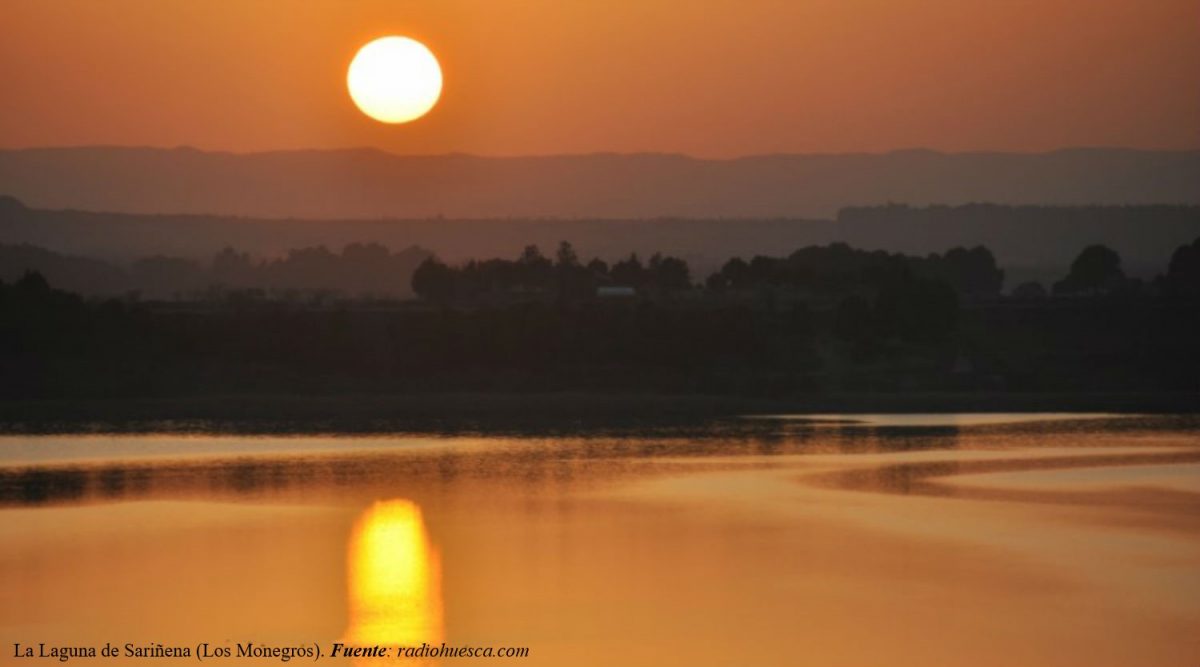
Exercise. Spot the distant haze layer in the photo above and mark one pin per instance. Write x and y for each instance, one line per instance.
(368, 183)
(1031, 242)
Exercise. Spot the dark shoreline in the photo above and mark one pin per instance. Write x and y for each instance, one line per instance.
(547, 412)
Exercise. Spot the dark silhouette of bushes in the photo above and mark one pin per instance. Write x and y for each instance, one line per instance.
(1097, 270)
(360, 269)
(851, 321)
(1182, 280)
(838, 269)
(534, 276)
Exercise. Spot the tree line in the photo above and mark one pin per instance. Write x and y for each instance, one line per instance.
(318, 274)
(885, 324)
(358, 269)
(532, 273)
(821, 272)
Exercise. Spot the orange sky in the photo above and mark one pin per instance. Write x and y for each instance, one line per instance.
(703, 77)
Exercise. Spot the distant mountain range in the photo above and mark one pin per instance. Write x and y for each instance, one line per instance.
(361, 183)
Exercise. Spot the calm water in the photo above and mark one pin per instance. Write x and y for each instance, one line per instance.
(782, 540)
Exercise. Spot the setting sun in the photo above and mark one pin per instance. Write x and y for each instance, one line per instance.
(394, 79)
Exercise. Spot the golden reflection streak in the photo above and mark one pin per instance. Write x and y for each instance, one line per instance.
(394, 579)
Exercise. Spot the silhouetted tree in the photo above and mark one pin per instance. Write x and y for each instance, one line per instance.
(668, 273)
(33, 284)
(838, 269)
(566, 257)
(433, 280)
(628, 272)
(973, 273)
(734, 274)
(598, 266)
(1182, 279)
(574, 281)
(233, 268)
(1096, 270)
(533, 268)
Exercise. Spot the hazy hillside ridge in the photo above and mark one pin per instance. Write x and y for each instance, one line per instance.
(367, 183)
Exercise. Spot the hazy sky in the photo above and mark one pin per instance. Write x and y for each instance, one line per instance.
(704, 77)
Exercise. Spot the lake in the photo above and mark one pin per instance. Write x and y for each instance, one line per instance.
(923, 540)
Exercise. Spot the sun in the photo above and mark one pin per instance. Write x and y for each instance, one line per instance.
(394, 79)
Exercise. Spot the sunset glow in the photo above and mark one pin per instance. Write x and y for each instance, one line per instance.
(578, 333)
(715, 78)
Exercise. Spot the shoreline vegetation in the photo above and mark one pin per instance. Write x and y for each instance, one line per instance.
(107, 255)
(554, 342)
(465, 413)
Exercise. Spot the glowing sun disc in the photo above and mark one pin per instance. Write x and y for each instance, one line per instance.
(394, 79)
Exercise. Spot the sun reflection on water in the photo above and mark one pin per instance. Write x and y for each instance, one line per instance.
(394, 579)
